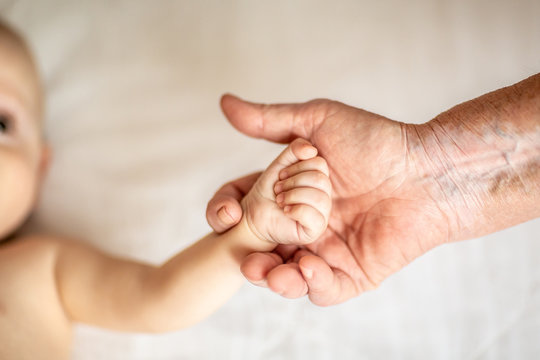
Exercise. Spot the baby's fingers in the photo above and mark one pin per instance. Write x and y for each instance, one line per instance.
(315, 163)
(298, 150)
(317, 199)
(312, 178)
(310, 222)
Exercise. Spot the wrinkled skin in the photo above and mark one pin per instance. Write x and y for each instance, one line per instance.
(380, 214)
(398, 189)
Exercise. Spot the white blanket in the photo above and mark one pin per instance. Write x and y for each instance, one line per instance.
(140, 145)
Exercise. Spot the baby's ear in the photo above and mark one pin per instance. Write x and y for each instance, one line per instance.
(44, 161)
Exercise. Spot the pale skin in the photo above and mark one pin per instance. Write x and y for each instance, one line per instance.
(399, 189)
(48, 283)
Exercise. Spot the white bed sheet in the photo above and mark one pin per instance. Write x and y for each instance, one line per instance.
(140, 146)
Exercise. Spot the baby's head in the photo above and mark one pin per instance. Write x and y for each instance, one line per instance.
(22, 150)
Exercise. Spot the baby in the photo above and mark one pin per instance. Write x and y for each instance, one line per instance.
(47, 283)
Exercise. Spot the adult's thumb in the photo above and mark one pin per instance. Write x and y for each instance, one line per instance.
(280, 123)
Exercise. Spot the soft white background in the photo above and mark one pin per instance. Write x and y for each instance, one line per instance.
(141, 145)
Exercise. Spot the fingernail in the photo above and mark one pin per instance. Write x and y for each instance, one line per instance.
(287, 208)
(283, 175)
(279, 198)
(278, 187)
(224, 216)
(311, 151)
(307, 272)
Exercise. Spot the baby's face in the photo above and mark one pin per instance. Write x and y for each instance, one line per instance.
(21, 147)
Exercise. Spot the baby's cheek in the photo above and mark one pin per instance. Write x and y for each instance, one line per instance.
(18, 183)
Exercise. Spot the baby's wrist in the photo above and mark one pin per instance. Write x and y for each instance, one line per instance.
(245, 235)
(251, 238)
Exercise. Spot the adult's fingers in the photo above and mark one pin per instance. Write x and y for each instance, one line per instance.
(286, 252)
(327, 286)
(256, 267)
(287, 280)
(278, 122)
(223, 210)
(268, 270)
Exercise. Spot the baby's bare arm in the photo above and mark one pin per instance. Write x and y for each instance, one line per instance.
(102, 290)
(125, 295)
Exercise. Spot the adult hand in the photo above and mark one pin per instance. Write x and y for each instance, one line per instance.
(382, 217)
(398, 189)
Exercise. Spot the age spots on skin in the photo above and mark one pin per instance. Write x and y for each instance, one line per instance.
(518, 180)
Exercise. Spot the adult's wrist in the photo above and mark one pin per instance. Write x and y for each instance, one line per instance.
(435, 176)
(480, 161)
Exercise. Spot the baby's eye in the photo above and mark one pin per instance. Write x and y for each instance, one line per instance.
(4, 123)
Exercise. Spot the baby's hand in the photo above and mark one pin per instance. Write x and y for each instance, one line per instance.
(290, 203)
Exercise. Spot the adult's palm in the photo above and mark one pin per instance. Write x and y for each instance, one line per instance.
(383, 214)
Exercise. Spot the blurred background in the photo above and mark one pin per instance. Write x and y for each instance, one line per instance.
(140, 146)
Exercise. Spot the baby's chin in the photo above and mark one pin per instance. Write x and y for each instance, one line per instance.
(10, 225)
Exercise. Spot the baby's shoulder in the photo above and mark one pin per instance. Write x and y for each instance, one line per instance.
(29, 300)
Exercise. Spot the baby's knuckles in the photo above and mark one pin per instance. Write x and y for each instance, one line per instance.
(270, 225)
